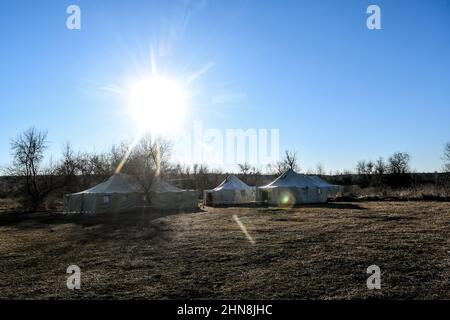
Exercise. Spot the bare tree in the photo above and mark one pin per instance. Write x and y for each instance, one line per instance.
(203, 177)
(255, 171)
(119, 153)
(181, 170)
(320, 171)
(446, 158)
(100, 164)
(398, 169)
(28, 150)
(380, 167)
(361, 167)
(369, 167)
(399, 163)
(181, 173)
(69, 165)
(147, 160)
(379, 170)
(278, 167)
(365, 171)
(248, 171)
(92, 167)
(244, 168)
(290, 160)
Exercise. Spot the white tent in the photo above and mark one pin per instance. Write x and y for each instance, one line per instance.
(121, 192)
(230, 191)
(165, 196)
(292, 188)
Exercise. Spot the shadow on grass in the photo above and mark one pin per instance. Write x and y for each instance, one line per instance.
(140, 217)
(331, 205)
(334, 205)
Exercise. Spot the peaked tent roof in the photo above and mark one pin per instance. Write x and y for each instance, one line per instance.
(232, 183)
(118, 183)
(293, 179)
(320, 182)
(123, 183)
(160, 185)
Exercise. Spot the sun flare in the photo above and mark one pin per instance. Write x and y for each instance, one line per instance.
(156, 104)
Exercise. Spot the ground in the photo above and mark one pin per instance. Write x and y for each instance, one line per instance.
(312, 252)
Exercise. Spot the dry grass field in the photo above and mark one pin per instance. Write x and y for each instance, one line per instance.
(311, 252)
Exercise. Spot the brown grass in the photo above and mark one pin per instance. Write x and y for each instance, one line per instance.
(422, 192)
(313, 252)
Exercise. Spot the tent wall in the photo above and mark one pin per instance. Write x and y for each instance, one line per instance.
(91, 203)
(292, 188)
(229, 196)
(182, 200)
(280, 196)
(73, 202)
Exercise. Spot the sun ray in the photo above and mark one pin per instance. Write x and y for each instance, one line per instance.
(244, 229)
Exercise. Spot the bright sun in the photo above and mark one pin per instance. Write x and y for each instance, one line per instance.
(156, 104)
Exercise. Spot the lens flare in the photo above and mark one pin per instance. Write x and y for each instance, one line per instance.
(125, 158)
(286, 200)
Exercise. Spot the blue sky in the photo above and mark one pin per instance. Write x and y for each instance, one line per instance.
(337, 91)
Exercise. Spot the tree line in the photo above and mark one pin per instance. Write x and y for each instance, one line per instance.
(149, 157)
(394, 172)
